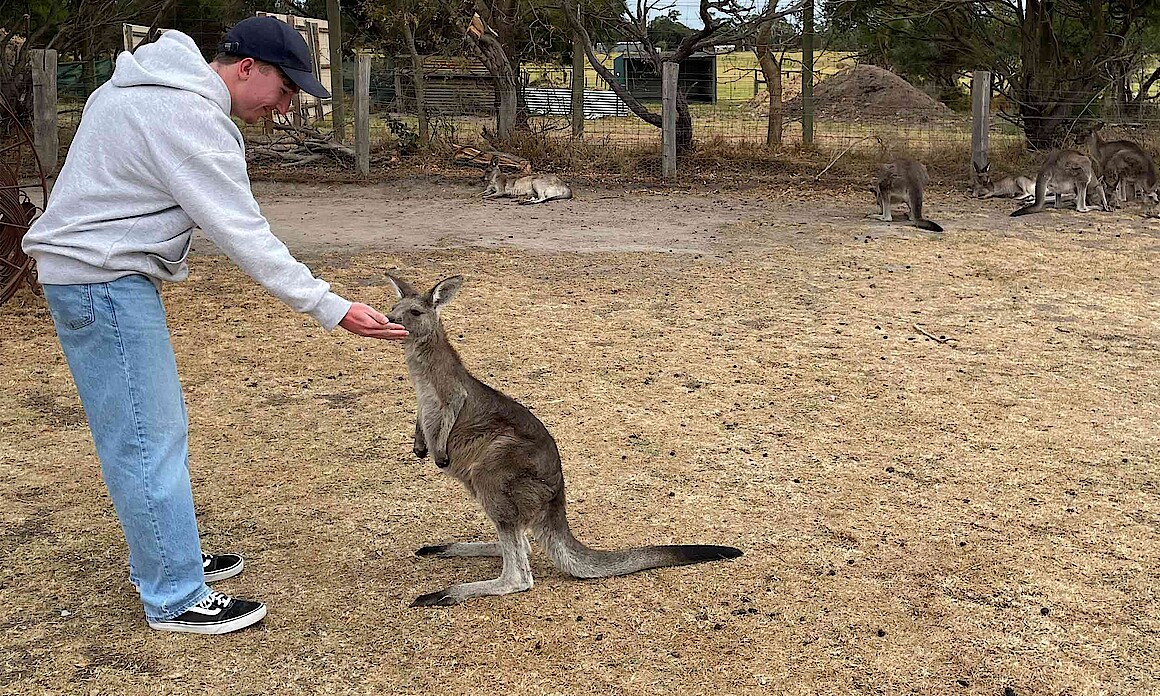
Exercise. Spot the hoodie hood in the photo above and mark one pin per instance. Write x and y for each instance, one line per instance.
(172, 61)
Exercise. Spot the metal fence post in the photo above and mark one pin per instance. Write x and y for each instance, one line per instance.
(362, 114)
(44, 124)
(669, 119)
(980, 117)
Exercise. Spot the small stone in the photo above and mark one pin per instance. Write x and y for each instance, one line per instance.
(881, 633)
(1044, 611)
(890, 470)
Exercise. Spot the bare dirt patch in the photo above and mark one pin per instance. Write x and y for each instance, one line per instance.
(968, 514)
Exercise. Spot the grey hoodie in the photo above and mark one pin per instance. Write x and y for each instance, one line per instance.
(156, 154)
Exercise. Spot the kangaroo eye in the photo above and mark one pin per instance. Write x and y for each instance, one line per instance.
(416, 313)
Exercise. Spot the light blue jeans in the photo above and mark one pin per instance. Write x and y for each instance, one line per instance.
(117, 345)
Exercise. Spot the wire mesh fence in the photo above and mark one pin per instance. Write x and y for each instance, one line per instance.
(856, 108)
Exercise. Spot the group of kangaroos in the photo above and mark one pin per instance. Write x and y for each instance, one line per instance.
(1120, 169)
(508, 461)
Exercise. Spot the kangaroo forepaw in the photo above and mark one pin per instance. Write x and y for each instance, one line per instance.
(420, 451)
(442, 598)
(442, 461)
(428, 551)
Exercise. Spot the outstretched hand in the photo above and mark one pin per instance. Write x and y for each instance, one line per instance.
(365, 320)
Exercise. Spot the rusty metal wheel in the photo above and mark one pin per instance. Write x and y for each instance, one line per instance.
(22, 187)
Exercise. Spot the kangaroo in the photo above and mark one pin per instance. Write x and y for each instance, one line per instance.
(506, 459)
(902, 181)
(1131, 165)
(1065, 171)
(534, 188)
(1018, 187)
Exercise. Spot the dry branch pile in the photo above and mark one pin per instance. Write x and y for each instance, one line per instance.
(298, 145)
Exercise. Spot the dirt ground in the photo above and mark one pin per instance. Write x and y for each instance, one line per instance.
(938, 452)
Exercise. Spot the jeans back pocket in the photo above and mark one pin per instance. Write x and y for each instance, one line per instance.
(71, 305)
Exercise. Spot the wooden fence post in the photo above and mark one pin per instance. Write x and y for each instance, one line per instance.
(334, 36)
(44, 124)
(808, 73)
(669, 119)
(362, 114)
(980, 118)
(577, 83)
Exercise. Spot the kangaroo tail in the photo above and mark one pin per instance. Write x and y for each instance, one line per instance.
(1027, 210)
(577, 560)
(928, 225)
(1040, 197)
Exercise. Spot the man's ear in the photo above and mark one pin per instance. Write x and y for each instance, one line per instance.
(245, 68)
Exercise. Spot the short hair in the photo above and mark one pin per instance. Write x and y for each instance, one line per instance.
(224, 58)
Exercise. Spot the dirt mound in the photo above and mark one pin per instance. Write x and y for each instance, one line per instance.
(866, 93)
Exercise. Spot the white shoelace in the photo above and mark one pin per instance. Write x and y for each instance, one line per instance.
(215, 600)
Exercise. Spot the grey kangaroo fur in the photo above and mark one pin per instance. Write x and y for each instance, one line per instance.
(1018, 187)
(1065, 171)
(508, 462)
(1123, 163)
(902, 180)
(532, 188)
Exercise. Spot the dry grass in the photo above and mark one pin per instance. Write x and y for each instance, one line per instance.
(918, 517)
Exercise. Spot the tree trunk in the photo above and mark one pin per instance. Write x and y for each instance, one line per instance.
(771, 70)
(420, 84)
(490, 49)
(684, 126)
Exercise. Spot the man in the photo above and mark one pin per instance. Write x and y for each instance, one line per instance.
(155, 155)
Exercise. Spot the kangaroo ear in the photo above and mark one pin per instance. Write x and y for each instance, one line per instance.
(402, 287)
(444, 290)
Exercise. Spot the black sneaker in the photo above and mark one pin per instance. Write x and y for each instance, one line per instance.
(221, 566)
(215, 614)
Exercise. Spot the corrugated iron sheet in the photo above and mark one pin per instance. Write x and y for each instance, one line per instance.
(557, 101)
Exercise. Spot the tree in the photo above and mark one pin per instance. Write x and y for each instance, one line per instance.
(722, 22)
(69, 26)
(1052, 58)
(773, 37)
(666, 32)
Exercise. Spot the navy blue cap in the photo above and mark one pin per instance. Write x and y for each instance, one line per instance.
(273, 41)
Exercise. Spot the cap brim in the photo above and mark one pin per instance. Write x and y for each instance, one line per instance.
(307, 82)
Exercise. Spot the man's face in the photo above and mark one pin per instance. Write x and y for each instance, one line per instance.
(261, 91)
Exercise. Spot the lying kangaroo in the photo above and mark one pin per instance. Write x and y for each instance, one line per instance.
(1123, 163)
(1018, 187)
(1065, 171)
(506, 459)
(533, 188)
(902, 181)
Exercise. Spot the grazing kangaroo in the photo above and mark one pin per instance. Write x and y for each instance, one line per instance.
(1018, 187)
(902, 181)
(1123, 163)
(1129, 167)
(1065, 171)
(533, 188)
(506, 459)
